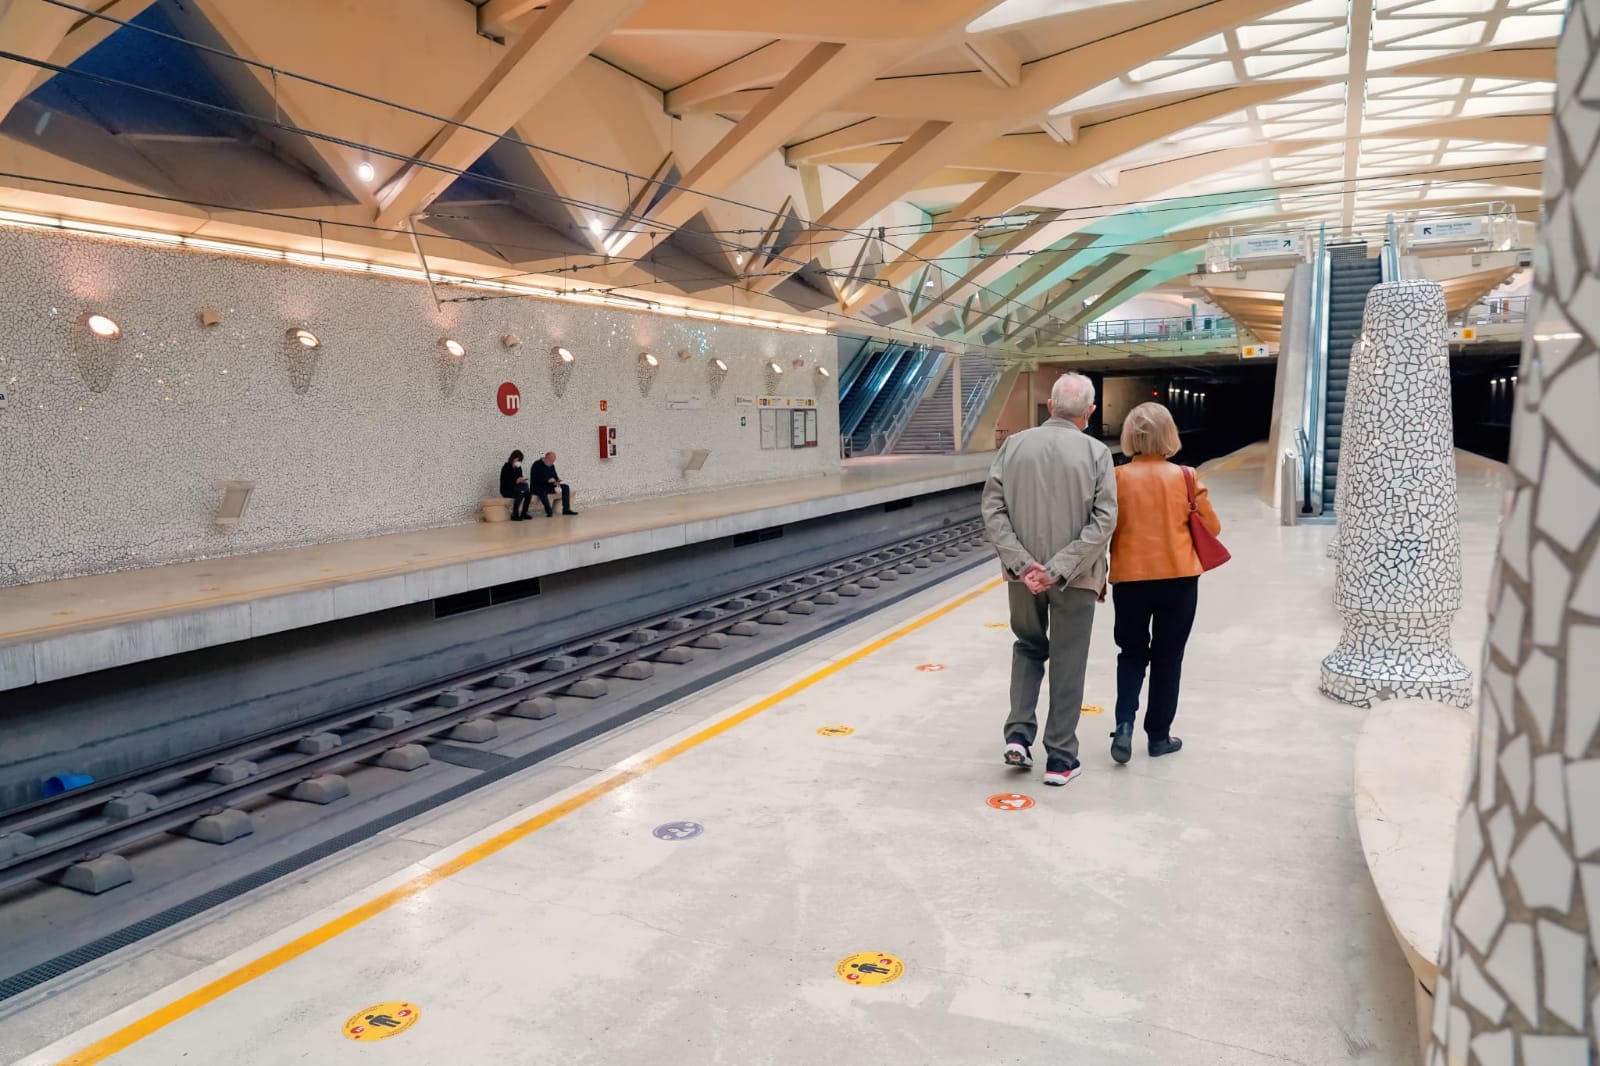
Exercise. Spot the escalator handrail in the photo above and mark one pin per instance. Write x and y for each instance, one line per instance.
(852, 369)
(867, 391)
(1315, 409)
(908, 396)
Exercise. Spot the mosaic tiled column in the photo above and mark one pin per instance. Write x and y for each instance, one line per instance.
(1399, 574)
(1518, 980)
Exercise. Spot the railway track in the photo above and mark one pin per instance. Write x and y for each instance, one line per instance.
(89, 839)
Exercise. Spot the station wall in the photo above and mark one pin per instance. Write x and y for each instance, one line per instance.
(110, 452)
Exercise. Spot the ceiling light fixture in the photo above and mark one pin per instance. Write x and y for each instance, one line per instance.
(304, 338)
(365, 171)
(102, 326)
(453, 347)
(596, 227)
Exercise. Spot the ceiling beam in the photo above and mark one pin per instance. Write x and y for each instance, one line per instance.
(817, 20)
(869, 131)
(998, 254)
(87, 32)
(1523, 64)
(34, 29)
(996, 196)
(560, 37)
(765, 66)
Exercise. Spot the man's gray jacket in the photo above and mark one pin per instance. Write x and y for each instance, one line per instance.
(1051, 498)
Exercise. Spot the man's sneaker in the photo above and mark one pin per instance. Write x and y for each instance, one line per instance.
(1165, 747)
(1122, 743)
(1018, 755)
(1058, 772)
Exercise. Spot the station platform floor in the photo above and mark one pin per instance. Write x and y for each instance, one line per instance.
(691, 889)
(57, 629)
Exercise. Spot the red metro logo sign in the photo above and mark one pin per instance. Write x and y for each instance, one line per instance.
(508, 399)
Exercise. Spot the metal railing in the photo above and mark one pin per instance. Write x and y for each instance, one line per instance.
(1493, 311)
(974, 402)
(1391, 251)
(1155, 330)
(854, 407)
(1313, 414)
(1236, 245)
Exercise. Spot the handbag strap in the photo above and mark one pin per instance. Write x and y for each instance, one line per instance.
(1188, 481)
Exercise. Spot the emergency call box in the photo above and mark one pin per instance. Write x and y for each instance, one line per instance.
(608, 442)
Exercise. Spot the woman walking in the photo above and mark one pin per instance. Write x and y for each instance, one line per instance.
(1155, 575)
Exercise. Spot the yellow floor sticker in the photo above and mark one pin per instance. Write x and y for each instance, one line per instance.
(997, 625)
(836, 731)
(869, 968)
(381, 1021)
(1093, 708)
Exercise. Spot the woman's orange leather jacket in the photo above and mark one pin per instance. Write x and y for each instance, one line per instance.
(1152, 540)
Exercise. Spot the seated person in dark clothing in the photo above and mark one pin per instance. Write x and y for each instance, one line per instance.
(514, 487)
(546, 481)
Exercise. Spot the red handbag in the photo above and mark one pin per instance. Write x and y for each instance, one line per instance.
(1206, 545)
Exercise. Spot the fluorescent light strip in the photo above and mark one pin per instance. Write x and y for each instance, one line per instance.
(202, 244)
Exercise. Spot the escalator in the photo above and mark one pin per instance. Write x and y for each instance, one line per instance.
(887, 393)
(1351, 276)
(857, 395)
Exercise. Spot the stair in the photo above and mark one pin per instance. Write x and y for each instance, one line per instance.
(929, 430)
(1350, 278)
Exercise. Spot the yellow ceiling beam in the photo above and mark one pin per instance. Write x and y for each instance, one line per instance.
(560, 37)
(34, 29)
(1523, 64)
(765, 66)
(817, 20)
(85, 33)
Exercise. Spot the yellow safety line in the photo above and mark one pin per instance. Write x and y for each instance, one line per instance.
(162, 1017)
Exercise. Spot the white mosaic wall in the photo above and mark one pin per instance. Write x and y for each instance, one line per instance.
(1519, 980)
(1399, 543)
(109, 453)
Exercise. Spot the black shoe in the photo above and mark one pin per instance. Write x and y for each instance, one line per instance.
(1122, 743)
(569, 512)
(1059, 771)
(1165, 747)
(1017, 753)
(518, 517)
(549, 514)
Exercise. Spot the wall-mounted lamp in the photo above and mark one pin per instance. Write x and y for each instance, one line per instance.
(101, 326)
(563, 355)
(774, 367)
(646, 359)
(511, 340)
(304, 338)
(824, 372)
(453, 348)
(210, 317)
(720, 365)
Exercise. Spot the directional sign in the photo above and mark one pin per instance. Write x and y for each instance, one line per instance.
(1010, 801)
(678, 830)
(1447, 231)
(1267, 246)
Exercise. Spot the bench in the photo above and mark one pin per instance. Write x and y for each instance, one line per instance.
(495, 509)
(1411, 778)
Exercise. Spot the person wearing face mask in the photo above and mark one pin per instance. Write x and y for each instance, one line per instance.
(514, 487)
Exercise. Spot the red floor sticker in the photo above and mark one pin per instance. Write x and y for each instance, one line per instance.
(931, 668)
(1010, 801)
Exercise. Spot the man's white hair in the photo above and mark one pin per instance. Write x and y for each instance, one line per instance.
(1071, 396)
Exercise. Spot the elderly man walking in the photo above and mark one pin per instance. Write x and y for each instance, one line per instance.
(1049, 508)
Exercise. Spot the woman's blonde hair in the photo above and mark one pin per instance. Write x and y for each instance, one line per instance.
(1150, 430)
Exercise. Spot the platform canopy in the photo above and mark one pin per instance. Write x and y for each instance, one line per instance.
(987, 172)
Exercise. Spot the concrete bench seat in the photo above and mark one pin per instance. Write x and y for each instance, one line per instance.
(495, 508)
(1411, 776)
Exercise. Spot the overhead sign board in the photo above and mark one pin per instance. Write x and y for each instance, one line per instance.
(1255, 350)
(1446, 231)
(1267, 246)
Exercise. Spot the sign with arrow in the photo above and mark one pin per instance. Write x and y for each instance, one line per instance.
(1446, 231)
(1267, 246)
